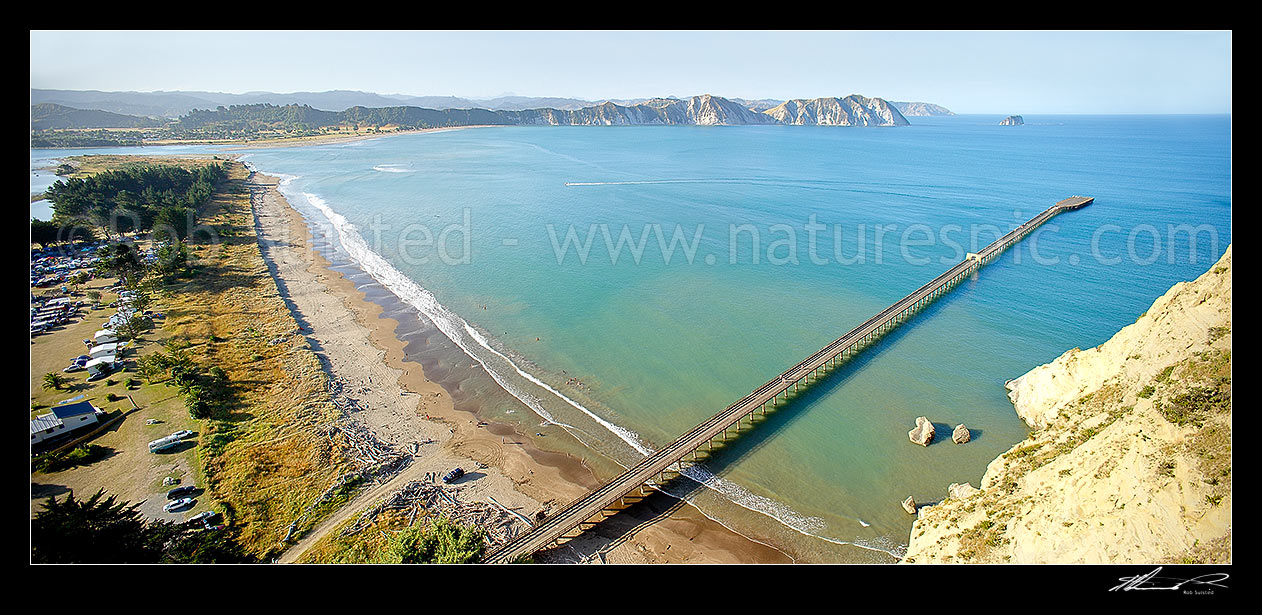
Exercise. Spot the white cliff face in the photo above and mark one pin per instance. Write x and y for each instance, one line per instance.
(708, 110)
(853, 110)
(1130, 457)
(920, 109)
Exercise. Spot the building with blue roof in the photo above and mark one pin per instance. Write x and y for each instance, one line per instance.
(62, 419)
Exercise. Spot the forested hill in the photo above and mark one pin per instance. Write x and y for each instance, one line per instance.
(261, 121)
(266, 116)
(46, 116)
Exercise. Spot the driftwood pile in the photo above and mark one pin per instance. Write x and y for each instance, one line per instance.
(376, 459)
(499, 524)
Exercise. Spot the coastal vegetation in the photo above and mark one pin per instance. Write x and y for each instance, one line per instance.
(102, 530)
(431, 539)
(230, 350)
(137, 198)
(253, 390)
(253, 384)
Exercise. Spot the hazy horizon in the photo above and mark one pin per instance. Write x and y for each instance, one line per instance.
(987, 72)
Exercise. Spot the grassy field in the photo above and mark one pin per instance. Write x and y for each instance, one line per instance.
(267, 459)
(85, 166)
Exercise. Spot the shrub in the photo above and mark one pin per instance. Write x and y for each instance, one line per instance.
(439, 542)
(81, 455)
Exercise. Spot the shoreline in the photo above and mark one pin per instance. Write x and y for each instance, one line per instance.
(270, 143)
(520, 475)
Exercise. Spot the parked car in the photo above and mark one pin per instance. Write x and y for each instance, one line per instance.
(181, 434)
(453, 475)
(202, 517)
(178, 504)
(180, 492)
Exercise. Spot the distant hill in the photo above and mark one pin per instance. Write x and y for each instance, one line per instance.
(267, 120)
(519, 103)
(760, 105)
(178, 103)
(45, 116)
(704, 110)
(921, 109)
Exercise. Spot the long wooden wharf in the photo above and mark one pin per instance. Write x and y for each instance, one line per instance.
(672, 459)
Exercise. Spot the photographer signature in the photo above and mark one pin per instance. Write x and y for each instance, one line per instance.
(1152, 581)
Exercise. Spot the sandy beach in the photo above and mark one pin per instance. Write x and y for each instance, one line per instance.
(358, 346)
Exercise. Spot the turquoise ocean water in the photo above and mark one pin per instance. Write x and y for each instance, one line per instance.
(745, 249)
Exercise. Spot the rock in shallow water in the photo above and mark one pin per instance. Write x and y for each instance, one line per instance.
(961, 435)
(923, 433)
(909, 505)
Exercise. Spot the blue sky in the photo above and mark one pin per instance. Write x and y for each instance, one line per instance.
(999, 72)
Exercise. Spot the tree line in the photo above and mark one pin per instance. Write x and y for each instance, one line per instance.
(141, 198)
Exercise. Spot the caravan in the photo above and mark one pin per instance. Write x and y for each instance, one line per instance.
(104, 350)
(100, 367)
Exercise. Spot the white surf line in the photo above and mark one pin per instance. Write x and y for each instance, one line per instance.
(626, 435)
(410, 292)
(781, 513)
(450, 325)
(424, 301)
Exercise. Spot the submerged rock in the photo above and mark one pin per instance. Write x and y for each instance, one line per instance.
(923, 433)
(961, 435)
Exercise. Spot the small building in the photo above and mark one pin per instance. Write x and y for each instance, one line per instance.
(63, 419)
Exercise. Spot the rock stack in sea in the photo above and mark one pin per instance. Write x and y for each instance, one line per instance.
(923, 432)
(961, 434)
(909, 505)
(1013, 120)
(1129, 458)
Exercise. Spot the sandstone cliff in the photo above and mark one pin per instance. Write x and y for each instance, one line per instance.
(709, 110)
(1129, 460)
(853, 110)
(921, 109)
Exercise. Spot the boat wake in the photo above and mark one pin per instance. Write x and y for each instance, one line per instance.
(393, 168)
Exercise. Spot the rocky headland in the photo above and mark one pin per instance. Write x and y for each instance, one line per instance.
(1129, 457)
